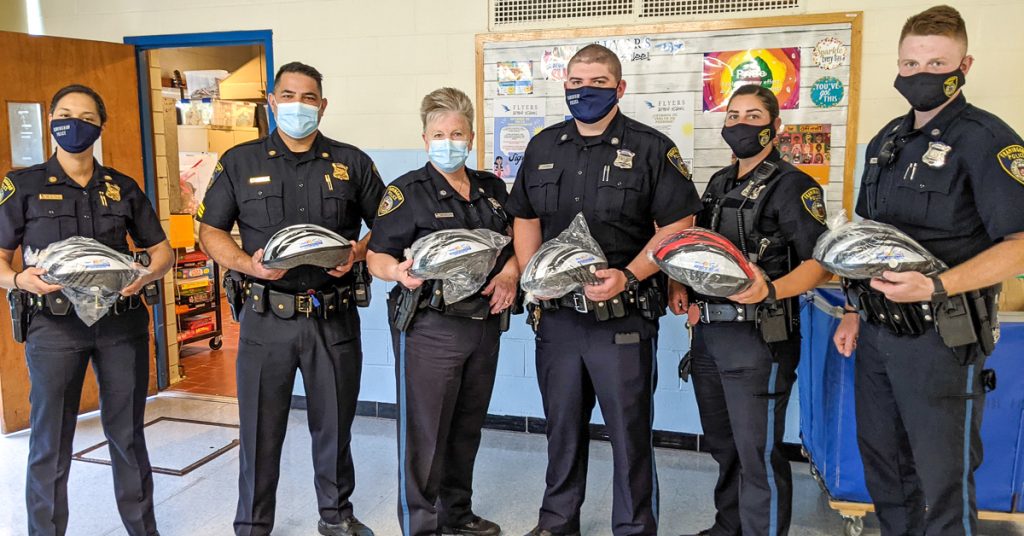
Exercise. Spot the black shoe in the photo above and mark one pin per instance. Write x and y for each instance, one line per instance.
(477, 527)
(537, 531)
(701, 533)
(350, 526)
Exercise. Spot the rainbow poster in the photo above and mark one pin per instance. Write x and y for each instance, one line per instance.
(774, 68)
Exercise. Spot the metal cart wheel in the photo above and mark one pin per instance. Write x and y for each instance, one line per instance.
(853, 525)
(216, 343)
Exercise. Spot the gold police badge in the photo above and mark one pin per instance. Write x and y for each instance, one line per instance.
(340, 171)
(113, 192)
(624, 159)
(935, 156)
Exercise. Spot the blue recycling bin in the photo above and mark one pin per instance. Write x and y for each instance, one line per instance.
(828, 423)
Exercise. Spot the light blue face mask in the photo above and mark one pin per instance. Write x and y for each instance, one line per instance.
(448, 155)
(297, 119)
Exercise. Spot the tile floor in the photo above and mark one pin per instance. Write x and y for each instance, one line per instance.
(211, 372)
(509, 476)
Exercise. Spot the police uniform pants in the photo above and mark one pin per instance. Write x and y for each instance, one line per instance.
(329, 354)
(919, 408)
(580, 360)
(445, 375)
(743, 387)
(58, 350)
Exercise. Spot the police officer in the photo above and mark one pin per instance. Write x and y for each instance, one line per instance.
(626, 178)
(448, 356)
(72, 195)
(951, 176)
(301, 318)
(746, 347)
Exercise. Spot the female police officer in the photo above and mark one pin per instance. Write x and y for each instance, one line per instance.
(448, 357)
(72, 195)
(742, 370)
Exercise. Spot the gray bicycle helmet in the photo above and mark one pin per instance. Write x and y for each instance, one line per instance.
(305, 244)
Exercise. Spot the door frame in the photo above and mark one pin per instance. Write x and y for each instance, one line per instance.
(143, 44)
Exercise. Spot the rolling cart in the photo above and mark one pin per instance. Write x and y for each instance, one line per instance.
(197, 300)
(828, 426)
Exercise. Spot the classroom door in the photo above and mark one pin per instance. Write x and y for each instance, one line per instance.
(33, 68)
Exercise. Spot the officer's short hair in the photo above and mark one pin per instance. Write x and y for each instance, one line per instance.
(765, 95)
(938, 20)
(444, 100)
(598, 54)
(301, 68)
(85, 90)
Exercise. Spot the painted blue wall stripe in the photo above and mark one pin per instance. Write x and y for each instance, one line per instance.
(769, 446)
(402, 432)
(969, 412)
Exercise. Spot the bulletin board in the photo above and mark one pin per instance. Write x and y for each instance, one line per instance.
(679, 77)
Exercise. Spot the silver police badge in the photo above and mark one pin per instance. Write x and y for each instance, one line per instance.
(935, 156)
(624, 159)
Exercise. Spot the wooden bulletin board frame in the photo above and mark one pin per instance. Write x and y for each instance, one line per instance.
(853, 18)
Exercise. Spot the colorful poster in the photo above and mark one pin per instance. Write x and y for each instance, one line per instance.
(516, 121)
(515, 78)
(829, 53)
(775, 68)
(672, 114)
(808, 147)
(827, 92)
(554, 63)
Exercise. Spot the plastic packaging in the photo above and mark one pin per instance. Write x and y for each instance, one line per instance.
(564, 263)
(306, 244)
(705, 261)
(461, 258)
(91, 274)
(866, 248)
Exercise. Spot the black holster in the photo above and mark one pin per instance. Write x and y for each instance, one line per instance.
(20, 303)
(235, 296)
(651, 299)
(361, 284)
(404, 307)
(775, 321)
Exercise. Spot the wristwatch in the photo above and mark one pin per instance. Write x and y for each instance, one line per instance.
(939, 294)
(632, 283)
(770, 298)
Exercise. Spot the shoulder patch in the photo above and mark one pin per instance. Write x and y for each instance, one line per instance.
(216, 173)
(677, 162)
(1011, 158)
(393, 198)
(814, 204)
(6, 190)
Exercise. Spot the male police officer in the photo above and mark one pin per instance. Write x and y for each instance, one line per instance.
(627, 179)
(303, 317)
(949, 175)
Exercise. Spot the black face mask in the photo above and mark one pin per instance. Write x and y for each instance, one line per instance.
(928, 91)
(748, 140)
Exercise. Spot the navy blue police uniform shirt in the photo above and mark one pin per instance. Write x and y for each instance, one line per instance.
(795, 208)
(422, 202)
(624, 182)
(41, 204)
(956, 185)
(264, 187)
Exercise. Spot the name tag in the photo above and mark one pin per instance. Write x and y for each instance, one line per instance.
(440, 215)
(259, 180)
(546, 166)
(51, 197)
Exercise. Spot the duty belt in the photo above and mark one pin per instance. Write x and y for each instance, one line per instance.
(901, 318)
(726, 312)
(285, 305)
(57, 304)
(615, 307)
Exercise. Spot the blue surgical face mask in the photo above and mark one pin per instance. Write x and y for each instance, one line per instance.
(297, 119)
(74, 135)
(448, 155)
(591, 104)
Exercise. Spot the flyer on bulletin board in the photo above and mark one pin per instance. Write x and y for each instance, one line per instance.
(516, 121)
(672, 115)
(808, 147)
(515, 78)
(775, 68)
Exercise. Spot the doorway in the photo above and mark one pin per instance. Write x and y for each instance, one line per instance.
(207, 94)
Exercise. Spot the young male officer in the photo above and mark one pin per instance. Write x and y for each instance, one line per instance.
(303, 318)
(633, 188)
(952, 177)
